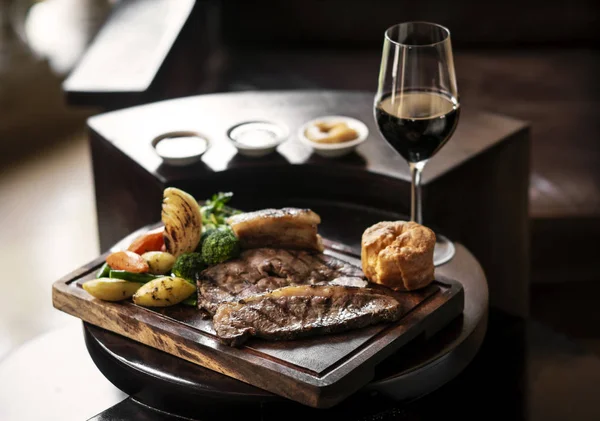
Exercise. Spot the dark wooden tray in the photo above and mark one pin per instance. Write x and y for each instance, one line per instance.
(318, 372)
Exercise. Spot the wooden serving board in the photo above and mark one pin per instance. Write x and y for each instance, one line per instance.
(319, 371)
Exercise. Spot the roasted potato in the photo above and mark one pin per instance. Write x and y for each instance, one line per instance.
(159, 262)
(109, 289)
(182, 220)
(163, 292)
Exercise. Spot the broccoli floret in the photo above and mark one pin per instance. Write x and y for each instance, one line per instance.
(188, 266)
(208, 229)
(219, 246)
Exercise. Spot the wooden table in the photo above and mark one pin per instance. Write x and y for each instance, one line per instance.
(475, 189)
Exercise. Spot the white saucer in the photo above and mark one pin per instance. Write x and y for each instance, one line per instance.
(180, 148)
(257, 138)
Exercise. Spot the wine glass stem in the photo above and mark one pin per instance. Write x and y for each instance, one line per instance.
(416, 214)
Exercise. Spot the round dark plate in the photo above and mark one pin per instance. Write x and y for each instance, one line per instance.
(170, 384)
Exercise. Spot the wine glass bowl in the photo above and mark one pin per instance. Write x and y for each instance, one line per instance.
(417, 106)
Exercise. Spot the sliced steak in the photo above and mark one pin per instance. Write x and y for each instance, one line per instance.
(296, 311)
(265, 269)
(288, 228)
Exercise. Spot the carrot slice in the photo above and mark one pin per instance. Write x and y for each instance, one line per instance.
(127, 260)
(150, 241)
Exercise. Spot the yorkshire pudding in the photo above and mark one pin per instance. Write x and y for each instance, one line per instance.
(398, 255)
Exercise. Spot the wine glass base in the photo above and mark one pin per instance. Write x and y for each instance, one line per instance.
(444, 250)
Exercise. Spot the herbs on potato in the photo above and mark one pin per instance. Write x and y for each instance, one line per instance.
(159, 262)
(163, 292)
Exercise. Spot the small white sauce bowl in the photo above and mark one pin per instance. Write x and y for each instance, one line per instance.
(180, 148)
(257, 138)
(334, 150)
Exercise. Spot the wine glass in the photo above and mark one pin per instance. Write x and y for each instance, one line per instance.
(416, 105)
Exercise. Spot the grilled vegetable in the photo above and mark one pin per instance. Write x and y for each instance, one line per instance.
(191, 301)
(108, 289)
(215, 211)
(133, 277)
(220, 246)
(163, 292)
(127, 260)
(104, 271)
(150, 241)
(159, 262)
(188, 266)
(183, 222)
(214, 215)
(208, 230)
